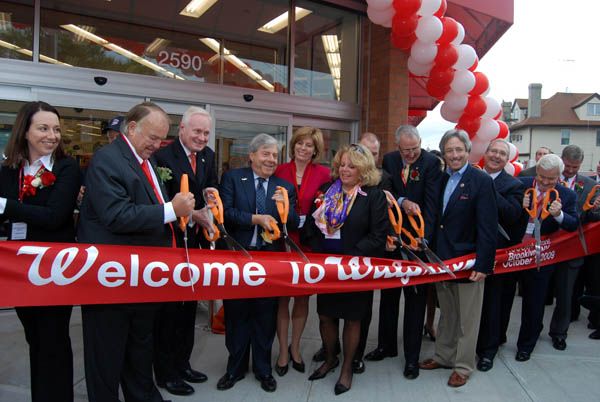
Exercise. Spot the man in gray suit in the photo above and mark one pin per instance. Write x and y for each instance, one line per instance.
(566, 272)
(126, 203)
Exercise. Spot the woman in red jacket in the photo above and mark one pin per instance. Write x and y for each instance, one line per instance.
(307, 176)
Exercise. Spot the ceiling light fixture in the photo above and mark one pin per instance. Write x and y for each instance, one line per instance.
(29, 53)
(196, 8)
(334, 60)
(280, 22)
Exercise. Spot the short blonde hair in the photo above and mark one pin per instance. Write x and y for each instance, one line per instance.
(362, 159)
(308, 132)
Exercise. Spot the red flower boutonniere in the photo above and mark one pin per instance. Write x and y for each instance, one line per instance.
(414, 175)
(43, 178)
(579, 186)
(319, 199)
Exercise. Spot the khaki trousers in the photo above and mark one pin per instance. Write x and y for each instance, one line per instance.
(460, 314)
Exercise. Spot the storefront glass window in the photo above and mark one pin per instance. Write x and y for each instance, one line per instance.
(16, 27)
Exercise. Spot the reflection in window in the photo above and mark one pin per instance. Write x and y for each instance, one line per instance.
(16, 35)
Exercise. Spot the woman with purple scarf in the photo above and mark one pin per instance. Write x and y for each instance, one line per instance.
(349, 217)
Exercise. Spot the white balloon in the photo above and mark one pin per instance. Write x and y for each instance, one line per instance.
(510, 169)
(514, 152)
(466, 57)
(381, 17)
(429, 29)
(419, 69)
(450, 114)
(423, 53)
(488, 130)
(460, 36)
(478, 148)
(380, 4)
(428, 7)
(492, 107)
(456, 101)
(463, 82)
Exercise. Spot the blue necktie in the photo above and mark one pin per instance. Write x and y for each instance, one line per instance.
(261, 198)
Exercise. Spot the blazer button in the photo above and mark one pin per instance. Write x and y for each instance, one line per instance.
(441, 226)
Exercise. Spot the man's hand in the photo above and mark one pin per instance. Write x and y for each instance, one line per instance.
(527, 200)
(411, 208)
(389, 198)
(183, 204)
(555, 208)
(477, 276)
(264, 221)
(202, 218)
(596, 203)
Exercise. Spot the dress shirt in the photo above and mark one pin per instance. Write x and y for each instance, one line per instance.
(453, 181)
(256, 227)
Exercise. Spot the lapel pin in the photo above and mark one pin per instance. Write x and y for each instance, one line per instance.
(202, 160)
(462, 185)
(244, 178)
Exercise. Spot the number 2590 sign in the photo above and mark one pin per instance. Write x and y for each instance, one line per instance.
(180, 60)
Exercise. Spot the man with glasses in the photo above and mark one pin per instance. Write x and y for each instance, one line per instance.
(416, 177)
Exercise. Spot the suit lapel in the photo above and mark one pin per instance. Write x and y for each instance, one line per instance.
(136, 167)
(269, 203)
(459, 190)
(181, 159)
(247, 180)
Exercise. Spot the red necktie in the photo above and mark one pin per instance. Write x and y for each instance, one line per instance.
(193, 161)
(146, 169)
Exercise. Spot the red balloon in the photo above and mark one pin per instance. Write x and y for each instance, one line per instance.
(503, 129)
(438, 92)
(446, 56)
(403, 42)
(450, 30)
(481, 84)
(441, 76)
(442, 10)
(407, 7)
(404, 26)
(481, 163)
(518, 167)
(497, 117)
(474, 66)
(470, 124)
(475, 107)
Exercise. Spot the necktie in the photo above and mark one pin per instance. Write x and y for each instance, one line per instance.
(146, 169)
(261, 198)
(193, 161)
(405, 171)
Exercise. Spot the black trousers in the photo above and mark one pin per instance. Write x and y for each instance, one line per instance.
(488, 340)
(50, 354)
(118, 343)
(415, 301)
(250, 324)
(174, 331)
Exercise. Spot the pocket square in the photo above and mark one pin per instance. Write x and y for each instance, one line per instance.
(464, 197)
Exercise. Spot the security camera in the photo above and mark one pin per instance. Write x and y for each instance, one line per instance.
(78, 109)
(100, 80)
(248, 97)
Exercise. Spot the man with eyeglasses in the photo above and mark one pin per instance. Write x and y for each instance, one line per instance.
(416, 176)
(513, 220)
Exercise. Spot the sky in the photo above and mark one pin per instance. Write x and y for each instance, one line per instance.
(551, 42)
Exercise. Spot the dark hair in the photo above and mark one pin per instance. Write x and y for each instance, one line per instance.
(17, 148)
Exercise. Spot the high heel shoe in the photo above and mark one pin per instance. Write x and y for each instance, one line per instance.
(300, 367)
(281, 370)
(429, 333)
(318, 374)
(340, 388)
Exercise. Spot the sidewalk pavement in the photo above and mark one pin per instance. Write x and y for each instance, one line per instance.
(571, 375)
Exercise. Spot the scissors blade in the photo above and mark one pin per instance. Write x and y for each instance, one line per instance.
(231, 242)
(503, 232)
(537, 234)
(582, 238)
(289, 242)
(408, 254)
(437, 260)
(187, 257)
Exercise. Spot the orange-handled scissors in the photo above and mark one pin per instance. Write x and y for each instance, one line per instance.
(537, 220)
(588, 201)
(283, 209)
(184, 187)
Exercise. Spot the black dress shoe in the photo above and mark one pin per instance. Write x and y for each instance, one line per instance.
(485, 364)
(176, 387)
(379, 354)
(559, 344)
(322, 371)
(411, 371)
(522, 356)
(191, 375)
(281, 370)
(267, 382)
(321, 355)
(358, 366)
(595, 334)
(298, 366)
(340, 388)
(227, 381)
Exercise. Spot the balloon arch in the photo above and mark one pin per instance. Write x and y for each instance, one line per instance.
(437, 54)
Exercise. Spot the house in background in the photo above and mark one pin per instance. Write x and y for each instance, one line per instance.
(561, 120)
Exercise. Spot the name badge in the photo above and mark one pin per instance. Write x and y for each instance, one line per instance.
(302, 220)
(19, 231)
(336, 235)
(530, 228)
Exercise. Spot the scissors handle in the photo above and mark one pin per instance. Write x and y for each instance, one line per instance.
(547, 200)
(588, 201)
(532, 211)
(283, 207)
(217, 207)
(184, 187)
(274, 233)
(419, 227)
(216, 234)
(412, 241)
(396, 224)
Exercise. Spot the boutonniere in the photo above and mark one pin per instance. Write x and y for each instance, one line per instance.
(414, 175)
(319, 199)
(164, 173)
(579, 186)
(31, 183)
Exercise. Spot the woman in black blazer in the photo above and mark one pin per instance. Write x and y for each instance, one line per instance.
(38, 188)
(351, 219)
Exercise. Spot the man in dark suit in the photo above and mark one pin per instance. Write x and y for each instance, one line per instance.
(534, 283)
(566, 272)
(468, 223)
(249, 199)
(415, 175)
(530, 171)
(126, 203)
(513, 219)
(175, 321)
